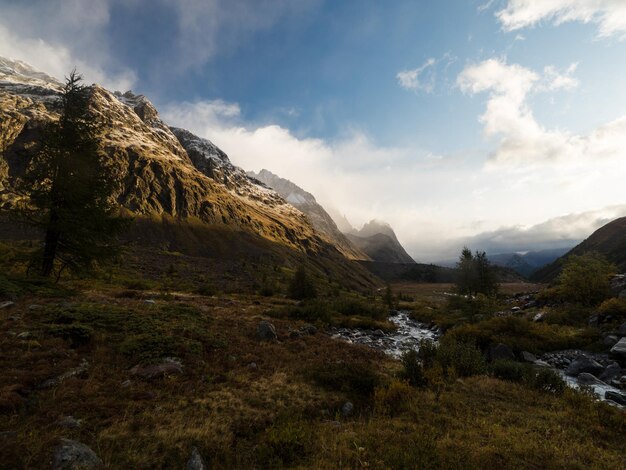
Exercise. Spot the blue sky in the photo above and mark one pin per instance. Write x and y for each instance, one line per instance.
(453, 120)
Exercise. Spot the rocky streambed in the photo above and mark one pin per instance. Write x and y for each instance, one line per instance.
(597, 372)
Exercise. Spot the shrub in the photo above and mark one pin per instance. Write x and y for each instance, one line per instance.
(509, 370)
(585, 279)
(393, 398)
(413, 370)
(312, 312)
(152, 347)
(547, 380)
(8, 289)
(301, 286)
(614, 307)
(77, 333)
(462, 356)
(427, 352)
(286, 442)
(349, 378)
(350, 307)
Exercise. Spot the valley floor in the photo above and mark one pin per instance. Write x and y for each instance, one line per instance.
(83, 364)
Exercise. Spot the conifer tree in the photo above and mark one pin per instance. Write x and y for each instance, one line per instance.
(69, 185)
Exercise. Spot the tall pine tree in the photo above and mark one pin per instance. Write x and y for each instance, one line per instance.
(70, 184)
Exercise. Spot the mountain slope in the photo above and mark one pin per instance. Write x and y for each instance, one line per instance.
(164, 173)
(316, 214)
(609, 240)
(379, 241)
(527, 263)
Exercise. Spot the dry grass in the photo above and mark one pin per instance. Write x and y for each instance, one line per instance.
(283, 413)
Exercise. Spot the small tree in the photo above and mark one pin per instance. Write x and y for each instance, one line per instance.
(301, 286)
(585, 279)
(475, 274)
(69, 186)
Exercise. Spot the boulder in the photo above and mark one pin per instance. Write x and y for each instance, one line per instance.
(528, 357)
(612, 371)
(583, 364)
(539, 316)
(266, 331)
(500, 352)
(618, 398)
(622, 329)
(69, 422)
(347, 409)
(589, 379)
(7, 304)
(619, 350)
(195, 462)
(610, 340)
(169, 366)
(74, 455)
(308, 330)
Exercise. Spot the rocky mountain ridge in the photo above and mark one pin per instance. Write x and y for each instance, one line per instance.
(163, 170)
(317, 215)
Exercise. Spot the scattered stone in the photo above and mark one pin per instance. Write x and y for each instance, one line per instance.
(7, 304)
(266, 331)
(35, 307)
(15, 317)
(347, 409)
(309, 330)
(619, 350)
(195, 462)
(589, 379)
(69, 422)
(169, 366)
(515, 309)
(500, 352)
(528, 357)
(610, 340)
(622, 329)
(583, 364)
(612, 371)
(294, 334)
(618, 398)
(74, 455)
(379, 333)
(541, 363)
(24, 335)
(252, 366)
(539, 316)
(593, 321)
(126, 383)
(80, 371)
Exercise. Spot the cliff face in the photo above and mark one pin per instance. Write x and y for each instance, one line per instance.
(316, 214)
(163, 171)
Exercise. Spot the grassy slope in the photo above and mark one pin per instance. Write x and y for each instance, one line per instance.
(278, 414)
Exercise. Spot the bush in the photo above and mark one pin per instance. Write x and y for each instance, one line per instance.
(301, 286)
(286, 442)
(356, 307)
(547, 380)
(462, 356)
(152, 347)
(78, 334)
(614, 307)
(509, 370)
(586, 279)
(413, 369)
(393, 399)
(349, 378)
(8, 289)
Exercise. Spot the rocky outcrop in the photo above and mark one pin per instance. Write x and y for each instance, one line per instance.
(315, 213)
(161, 171)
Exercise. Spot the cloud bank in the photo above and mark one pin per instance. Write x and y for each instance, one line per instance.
(608, 15)
(523, 140)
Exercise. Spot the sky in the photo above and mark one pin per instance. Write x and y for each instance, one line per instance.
(500, 124)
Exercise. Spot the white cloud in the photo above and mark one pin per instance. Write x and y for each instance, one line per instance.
(46, 36)
(609, 15)
(523, 141)
(414, 80)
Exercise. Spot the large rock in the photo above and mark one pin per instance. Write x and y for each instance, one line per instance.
(622, 329)
(500, 352)
(266, 331)
(169, 366)
(589, 379)
(618, 398)
(74, 455)
(195, 462)
(528, 357)
(583, 364)
(612, 371)
(619, 350)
